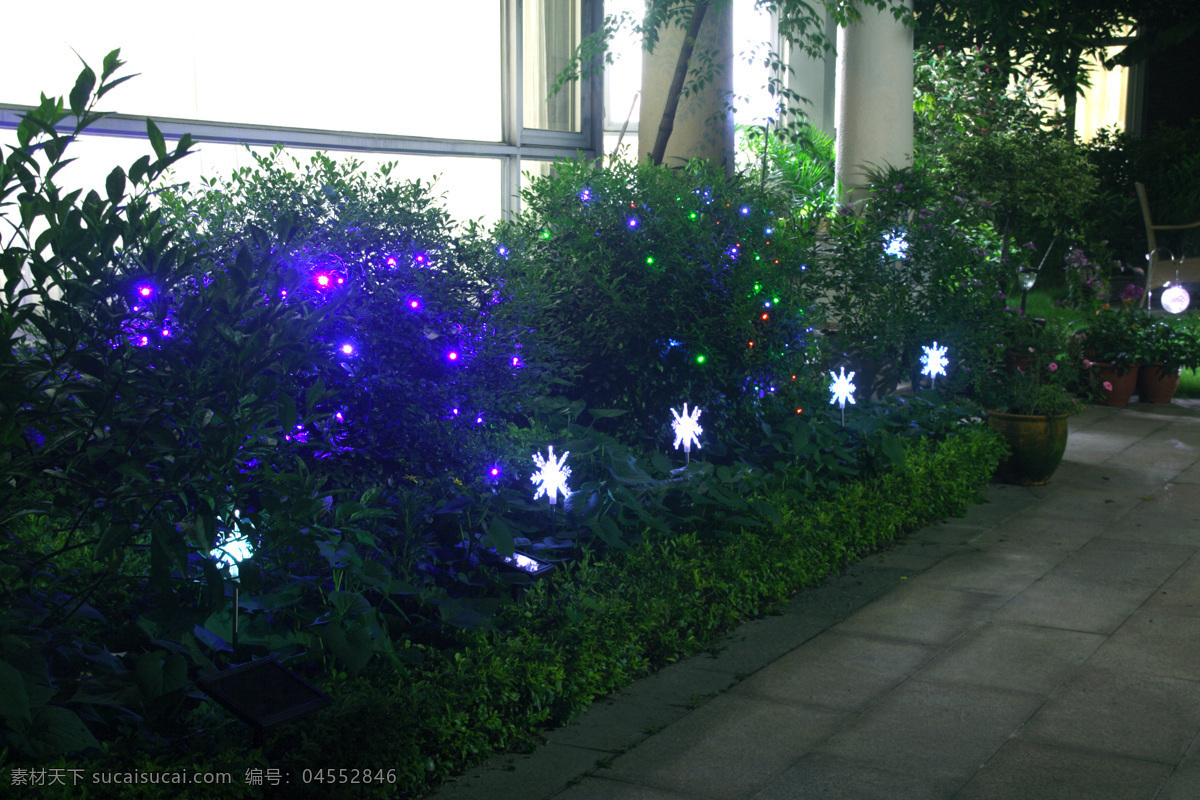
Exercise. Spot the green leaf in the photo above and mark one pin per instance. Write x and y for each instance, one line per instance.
(14, 702)
(57, 731)
(148, 672)
(287, 413)
(500, 535)
(349, 604)
(606, 413)
(156, 138)
(82, 92)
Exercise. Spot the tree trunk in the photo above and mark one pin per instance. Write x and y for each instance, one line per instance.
(673, 94)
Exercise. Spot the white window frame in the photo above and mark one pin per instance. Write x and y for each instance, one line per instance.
(517, 141)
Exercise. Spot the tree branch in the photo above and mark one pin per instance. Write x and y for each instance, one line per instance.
(681, 67)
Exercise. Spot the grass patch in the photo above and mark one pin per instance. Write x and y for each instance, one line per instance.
(1189, 384)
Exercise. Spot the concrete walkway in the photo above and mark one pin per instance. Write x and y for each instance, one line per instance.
(1046, 645)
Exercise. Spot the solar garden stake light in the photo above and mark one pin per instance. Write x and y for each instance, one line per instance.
(233, 549)
(842, 390)
(935, 362)
(1028, 278)
(687, 430)
(1175, 299)
(551, 478)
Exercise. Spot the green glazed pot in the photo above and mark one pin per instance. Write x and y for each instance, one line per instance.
(1036, 445)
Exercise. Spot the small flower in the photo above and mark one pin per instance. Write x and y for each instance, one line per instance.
(1053, 367)
(1087, 364)
(1107, 386)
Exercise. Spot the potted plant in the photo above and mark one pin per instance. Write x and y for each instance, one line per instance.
(1028, 405)
(1111, 342)
(1165, 347)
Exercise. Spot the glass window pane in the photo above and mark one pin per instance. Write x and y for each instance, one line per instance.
(551, 32)
(408, 67)
(468, 188)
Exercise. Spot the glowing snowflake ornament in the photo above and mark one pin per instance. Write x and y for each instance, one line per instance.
(232, 549)
(842, 390)
(687, 429)
(552, 474)
(935, 361)
(895, 245)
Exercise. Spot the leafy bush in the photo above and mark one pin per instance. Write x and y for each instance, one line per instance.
(652, 287)
(422, 374)
(1166, 160)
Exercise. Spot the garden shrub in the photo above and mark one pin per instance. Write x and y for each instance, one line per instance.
(423, 375)
(1166, 160)
(651, 287)
(174, 378)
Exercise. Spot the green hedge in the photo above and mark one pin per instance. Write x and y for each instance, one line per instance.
(591, 629)
(600, 625)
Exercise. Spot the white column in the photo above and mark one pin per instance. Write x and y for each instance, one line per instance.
(874, 97)
(815, 80)
(703, 121)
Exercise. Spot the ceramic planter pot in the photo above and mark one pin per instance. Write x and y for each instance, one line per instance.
(1116, 386)
(1156, 384)
(1035, 443)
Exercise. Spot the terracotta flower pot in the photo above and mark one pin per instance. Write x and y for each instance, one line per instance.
(1035, 444)
(1116, 386)
(1155, 384)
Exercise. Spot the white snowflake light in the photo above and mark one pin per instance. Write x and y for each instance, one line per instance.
(841, 388)
(935, 361)
(687, 428)
(895, 244)
(552, 474)
(232, 549)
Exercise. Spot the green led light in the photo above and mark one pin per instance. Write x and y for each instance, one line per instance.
(757, 288)
(650, 260)
(701, 359)
(775, 300)
(545, 234)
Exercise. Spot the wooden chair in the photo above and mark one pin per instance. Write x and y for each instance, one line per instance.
(1160, 270)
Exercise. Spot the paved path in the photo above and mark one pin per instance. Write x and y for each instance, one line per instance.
(1046, 645)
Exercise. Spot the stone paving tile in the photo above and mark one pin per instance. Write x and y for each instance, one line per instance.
(599, 787)
(1155, 457)
(1121, 562)
(761, 641)
(1154, 642)
(938, 730)
(677, 685)
(1113, 711)
(1029, 771)
(836, 671)
(1180, 595)
(1067, 602)
(1174, 503)
(999, 571)
(1139, 527)
(1079, 505)
(730, 747)
(521, 777)
(1018, 657)
(1105, 476)
(614, 725)
(1029, 534)
(920, 613)
(819, 775)
(1191, 475)
(1001, 502)
(1184, 783)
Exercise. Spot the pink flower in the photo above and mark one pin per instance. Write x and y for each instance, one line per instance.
(1053, 367)
(1087, 364)
(1107, 386)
